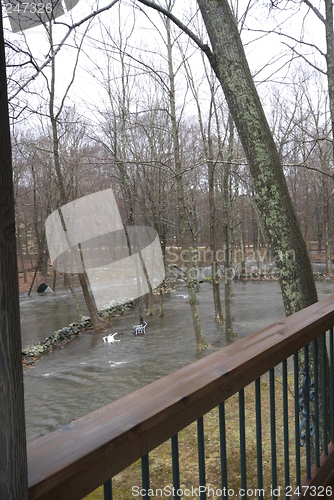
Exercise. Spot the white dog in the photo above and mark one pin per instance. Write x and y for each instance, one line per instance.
(110, 338)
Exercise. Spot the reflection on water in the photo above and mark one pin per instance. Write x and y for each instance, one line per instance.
(88, 373)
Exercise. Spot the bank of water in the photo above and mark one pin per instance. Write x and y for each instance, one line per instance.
(88, 373)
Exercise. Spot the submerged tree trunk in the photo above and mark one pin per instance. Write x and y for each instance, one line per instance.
(161, 300)
(272, 195)
(54, 280)
(149, 303)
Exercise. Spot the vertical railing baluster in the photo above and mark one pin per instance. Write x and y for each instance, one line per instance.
(324, 395)
(307, 411)
(286, 426)
(331, 370)
(145, 476)
(316, 403)
(107, 490)
(201, 457)
(242, 442)
(175, 466)
(297, 432)
(258, 437)
(223, 459)
(273, 429)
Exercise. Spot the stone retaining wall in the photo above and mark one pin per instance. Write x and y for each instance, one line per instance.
(67, 333)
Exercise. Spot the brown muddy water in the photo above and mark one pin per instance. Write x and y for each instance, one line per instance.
(88, 373)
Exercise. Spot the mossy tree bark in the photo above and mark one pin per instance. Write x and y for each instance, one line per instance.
(13, 458)
(272, 195)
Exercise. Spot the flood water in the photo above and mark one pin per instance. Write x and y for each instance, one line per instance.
(88, 373)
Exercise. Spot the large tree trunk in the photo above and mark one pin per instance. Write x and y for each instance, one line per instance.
(13, 459)
(272, 196)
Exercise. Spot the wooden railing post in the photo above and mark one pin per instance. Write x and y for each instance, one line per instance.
(13, 461)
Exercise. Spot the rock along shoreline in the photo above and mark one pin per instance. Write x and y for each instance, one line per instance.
(31, 352)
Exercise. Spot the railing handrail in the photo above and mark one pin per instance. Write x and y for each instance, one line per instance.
(74, 460)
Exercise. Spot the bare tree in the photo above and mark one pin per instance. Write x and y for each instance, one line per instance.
(54, 116)
(184, 227)
(209, 155)
(230, 65)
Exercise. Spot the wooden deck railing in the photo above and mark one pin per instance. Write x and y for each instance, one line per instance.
(74, 460)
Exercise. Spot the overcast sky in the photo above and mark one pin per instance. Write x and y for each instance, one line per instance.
(265, 52)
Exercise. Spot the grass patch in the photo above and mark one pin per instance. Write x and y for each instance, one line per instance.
(160, 458)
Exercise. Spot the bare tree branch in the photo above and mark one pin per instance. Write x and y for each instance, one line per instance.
(61, 43)
(285, 35)
(305, 59)
(315, 10)
(203, 46)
